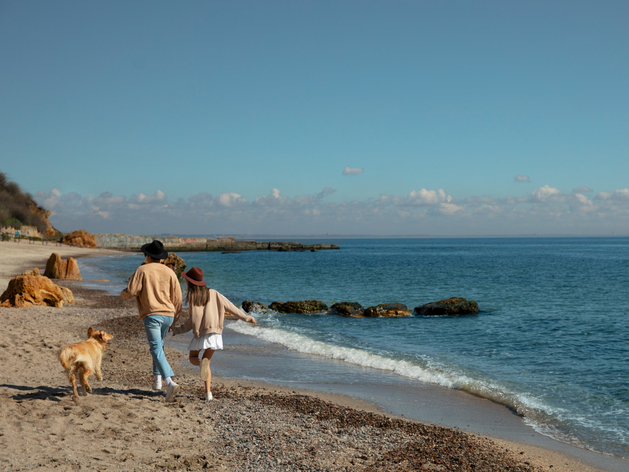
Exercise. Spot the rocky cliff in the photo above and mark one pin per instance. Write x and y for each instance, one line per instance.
(18, 209)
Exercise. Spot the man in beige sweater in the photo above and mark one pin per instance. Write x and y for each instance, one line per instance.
(157, 292)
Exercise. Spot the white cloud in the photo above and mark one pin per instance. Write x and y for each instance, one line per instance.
(426, 197)
(618, 195)
(449, 208)
(229, 199)
(51, 200)
(325, 192)
(352, 170)
(274, 199)
(547, 210)
(545, 193)
(199, 200)
(141, 198)
(109, 200)
(522, 178)
(580, 202)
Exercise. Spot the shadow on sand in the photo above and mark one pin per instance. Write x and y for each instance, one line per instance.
(57, 393)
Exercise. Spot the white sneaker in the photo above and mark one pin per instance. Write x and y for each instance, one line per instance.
(171, 392)
(208, 396)
(157, 383)
(205, 371)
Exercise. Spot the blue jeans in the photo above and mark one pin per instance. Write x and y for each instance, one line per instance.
(156, 327)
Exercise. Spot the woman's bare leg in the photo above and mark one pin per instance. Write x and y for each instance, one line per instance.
(194, 360)
(193, 357)
(208, 355)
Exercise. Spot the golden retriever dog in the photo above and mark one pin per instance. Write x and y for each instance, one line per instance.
(84, 359)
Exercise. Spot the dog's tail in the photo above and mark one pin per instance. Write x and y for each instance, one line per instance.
(64, 358)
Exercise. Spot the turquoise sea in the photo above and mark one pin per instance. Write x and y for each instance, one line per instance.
(551, 340)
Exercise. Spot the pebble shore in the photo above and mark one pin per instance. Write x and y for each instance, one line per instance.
(254, 429)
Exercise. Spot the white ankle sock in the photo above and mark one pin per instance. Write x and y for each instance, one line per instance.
(168, 381)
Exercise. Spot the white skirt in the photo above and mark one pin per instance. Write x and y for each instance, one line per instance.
(213, 341)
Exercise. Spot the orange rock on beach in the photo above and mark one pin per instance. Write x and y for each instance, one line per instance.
(57, 268)
(28, 290)
(80, 238)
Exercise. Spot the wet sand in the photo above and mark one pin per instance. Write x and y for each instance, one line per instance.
(124, 425)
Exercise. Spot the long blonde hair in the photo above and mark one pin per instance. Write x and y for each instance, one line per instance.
(198, 295)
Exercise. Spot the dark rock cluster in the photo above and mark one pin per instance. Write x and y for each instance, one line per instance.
(449, 307)
(306, 306)
(387, 309)
(347, 309)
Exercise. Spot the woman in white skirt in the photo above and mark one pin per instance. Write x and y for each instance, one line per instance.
(207, 312)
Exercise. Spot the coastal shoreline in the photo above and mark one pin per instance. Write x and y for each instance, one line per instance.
(132, 243)
(124, 422)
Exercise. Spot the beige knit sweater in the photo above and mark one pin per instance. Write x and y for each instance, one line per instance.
(209, 318)
(157, 290)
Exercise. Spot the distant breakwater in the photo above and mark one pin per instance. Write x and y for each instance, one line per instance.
(133, 243)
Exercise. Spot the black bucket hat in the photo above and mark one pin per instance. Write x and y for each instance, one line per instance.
(155, 250)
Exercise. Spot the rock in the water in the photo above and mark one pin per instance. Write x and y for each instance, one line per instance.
(248, 306)
(79, 238)
(387, 309)
(347, 309)
(454, 306)
(306, 306)
(27, 290)
(57, 268)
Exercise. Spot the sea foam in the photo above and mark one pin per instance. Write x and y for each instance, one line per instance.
(534, 411)
(432, 372)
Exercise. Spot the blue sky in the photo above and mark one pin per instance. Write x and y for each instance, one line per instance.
(436, 118)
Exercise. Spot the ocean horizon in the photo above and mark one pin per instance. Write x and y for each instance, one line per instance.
(344, 236)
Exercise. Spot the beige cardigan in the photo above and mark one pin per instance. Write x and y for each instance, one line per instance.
(209, 318)
(157, 290)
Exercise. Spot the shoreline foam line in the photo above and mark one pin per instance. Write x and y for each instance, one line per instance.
(519, 403)
(544, 419)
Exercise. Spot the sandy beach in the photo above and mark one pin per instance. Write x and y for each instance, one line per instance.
(124, 425)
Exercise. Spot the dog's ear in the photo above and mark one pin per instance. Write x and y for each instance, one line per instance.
(90, 331)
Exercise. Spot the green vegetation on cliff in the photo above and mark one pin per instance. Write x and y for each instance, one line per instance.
(18, 208)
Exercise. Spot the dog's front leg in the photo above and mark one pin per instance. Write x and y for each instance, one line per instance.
(97, 371)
